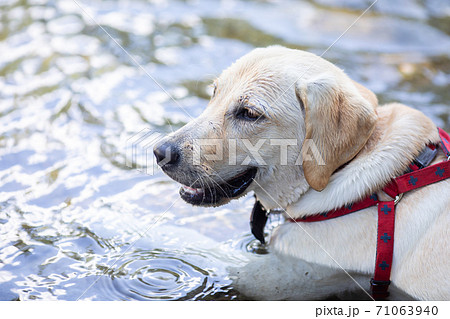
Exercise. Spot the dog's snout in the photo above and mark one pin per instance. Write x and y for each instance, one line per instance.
(166, 153)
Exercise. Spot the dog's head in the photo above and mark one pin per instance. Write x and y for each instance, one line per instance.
(279, 121)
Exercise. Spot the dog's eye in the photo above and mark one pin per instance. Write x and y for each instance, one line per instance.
(248, 114)
(214, 90)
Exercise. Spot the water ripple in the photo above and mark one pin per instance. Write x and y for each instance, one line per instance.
(162, 275)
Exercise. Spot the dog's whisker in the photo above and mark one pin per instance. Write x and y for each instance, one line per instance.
(216, 183)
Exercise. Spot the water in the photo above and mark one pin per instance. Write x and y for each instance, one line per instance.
(75, 221)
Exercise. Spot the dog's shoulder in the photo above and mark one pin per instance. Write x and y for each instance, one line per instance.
(400, 135)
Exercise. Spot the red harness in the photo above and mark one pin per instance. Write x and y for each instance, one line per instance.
(418, 176)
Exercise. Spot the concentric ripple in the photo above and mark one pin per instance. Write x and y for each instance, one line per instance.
(249, 243)
(162, 275)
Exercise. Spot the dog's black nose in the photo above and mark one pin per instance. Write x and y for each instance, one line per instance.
(166, 153)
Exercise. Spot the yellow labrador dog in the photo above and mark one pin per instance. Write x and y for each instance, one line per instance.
(298, 132)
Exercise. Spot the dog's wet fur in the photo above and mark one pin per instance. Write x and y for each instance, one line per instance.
(279, 93)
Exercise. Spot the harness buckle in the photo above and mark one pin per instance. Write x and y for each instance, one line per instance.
(425, 157)
(379, 288)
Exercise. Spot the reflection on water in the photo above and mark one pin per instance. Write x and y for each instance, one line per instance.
(75, 222)
(159, 275)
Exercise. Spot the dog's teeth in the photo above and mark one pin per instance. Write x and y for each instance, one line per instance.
(191, 190)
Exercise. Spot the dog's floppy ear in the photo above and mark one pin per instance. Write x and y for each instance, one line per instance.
(339, 118)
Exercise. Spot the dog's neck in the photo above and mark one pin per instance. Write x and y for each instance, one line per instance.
(291, 187)
(399, 136)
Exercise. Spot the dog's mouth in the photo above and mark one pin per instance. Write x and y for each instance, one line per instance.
(220, 193)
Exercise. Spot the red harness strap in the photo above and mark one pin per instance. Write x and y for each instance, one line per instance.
(418, 177)
(379, 284)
